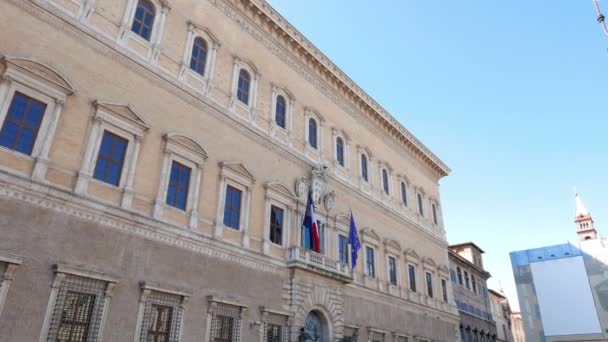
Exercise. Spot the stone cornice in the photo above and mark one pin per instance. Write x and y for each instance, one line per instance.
(268, 19)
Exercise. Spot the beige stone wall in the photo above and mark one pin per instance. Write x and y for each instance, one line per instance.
(95, 51)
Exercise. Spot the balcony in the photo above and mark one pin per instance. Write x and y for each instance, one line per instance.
(306, 259)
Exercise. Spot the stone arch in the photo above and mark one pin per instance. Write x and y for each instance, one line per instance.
(324, 300)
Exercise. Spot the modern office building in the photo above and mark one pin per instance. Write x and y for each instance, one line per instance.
(469, 279)
(562, 289)
(501, 313)
(155, 161)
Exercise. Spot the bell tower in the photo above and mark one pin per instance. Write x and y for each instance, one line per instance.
(584, 222)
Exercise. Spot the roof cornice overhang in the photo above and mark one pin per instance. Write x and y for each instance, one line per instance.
(279, 28)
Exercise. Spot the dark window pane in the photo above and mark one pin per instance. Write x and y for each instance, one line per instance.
(370, 263)
(199, 56)
(242, 92)
(110, 158)
(364, 167)
(412, 277)
(340, 151)
(232, 207)
(385, 181)
(429, 284)
(22, 123)
(281, 110)
(179, 182)
(343, 248)
(144, 19)
(312, 133)
(276, 225)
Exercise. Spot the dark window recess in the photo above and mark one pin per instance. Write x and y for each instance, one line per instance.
(199, 56)
(273, 333)
(411, 270)
(225, 327)
(364, 167)
(22, 123)
(110, 159)
(312, 133)
(232, 207)
(429, 284)
(144, 19)
(370, 264)
(281, 112)
(392, 270)
(179, 182)
(343, 248)
(340, 151)
(76, 317)
(276, 225)
(160, 330)
(242, 91)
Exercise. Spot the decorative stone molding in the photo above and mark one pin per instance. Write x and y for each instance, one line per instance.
(285, 134)
(250, 107)
(245, 17)
(281, 197)
(126, 37)
(234, 174)
(44, 84)
(213, 44)
(318, 182)
(186, 151)
(368, 235)
(120, 120)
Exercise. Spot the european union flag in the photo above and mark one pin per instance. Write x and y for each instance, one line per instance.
(353, 240)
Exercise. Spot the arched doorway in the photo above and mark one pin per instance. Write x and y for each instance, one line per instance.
(315, 328)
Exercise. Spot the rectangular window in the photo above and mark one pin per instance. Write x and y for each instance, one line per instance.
(226, 323)
(343, 248)
(22, 123)
(232, 207)
(411, 271)
(392, 270)
(276, 225)
(444, 290)
(110, 159)
(273, 333)
(78, 308)
(429, 284)
(369, 262)
(321, 236)
(161, 318)
(179, 182)
(225, 327)
(161, 323)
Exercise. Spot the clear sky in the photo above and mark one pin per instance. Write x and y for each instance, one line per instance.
(510, 94)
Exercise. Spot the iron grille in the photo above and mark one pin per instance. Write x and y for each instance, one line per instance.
(276, 329)
(226, 323)
(350, 334)
(77, 313)
(162, 318)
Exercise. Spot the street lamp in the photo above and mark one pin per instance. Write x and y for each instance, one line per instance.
(600, 16)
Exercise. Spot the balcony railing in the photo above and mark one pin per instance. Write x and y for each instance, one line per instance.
(312, 261)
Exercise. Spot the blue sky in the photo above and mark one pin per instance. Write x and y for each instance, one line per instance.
(510, 94)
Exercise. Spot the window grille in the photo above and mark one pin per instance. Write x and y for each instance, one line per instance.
(275, 328)
(350, 334)
(226, 323)
(162, 318)
(78, 309)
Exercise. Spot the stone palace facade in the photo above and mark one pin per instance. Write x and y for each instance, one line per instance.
(155, 159)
